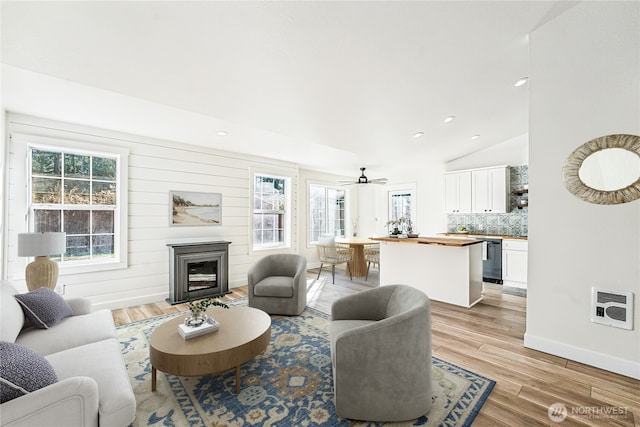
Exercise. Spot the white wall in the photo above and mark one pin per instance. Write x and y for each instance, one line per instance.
(431, 218)
(585, 83)
(513, 152)
(427, 182)
(156, 166)
(307, 177)
(372, 207)
(3, 165)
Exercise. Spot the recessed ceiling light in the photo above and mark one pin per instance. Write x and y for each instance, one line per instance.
(418, 135)
(222, 133)
(521, 81)
(476, 136)
(449, 119)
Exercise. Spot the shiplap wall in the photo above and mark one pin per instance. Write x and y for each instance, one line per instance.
(155, 168)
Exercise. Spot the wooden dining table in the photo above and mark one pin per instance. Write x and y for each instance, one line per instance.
(358, 264)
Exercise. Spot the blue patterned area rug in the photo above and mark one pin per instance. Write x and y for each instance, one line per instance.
(290, 384)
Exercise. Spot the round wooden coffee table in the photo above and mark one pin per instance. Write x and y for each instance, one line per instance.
(244, 333)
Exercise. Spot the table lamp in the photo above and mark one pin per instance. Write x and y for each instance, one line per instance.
(42, 271)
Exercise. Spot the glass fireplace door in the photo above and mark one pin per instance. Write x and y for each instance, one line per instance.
(202, 275)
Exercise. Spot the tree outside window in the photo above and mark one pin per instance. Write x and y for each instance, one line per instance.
(76, 194)
(270, 211)
(400, 207)
(326, 212)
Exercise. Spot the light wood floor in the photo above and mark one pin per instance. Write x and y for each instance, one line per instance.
(488, 340)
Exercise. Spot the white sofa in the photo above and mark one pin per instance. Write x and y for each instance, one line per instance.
(93, 387)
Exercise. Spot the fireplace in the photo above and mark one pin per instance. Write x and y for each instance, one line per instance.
(198, 270)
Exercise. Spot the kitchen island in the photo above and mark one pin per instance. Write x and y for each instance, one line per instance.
(447, 269)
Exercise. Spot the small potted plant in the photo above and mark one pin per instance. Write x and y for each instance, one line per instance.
(197, 315)
(396, 223)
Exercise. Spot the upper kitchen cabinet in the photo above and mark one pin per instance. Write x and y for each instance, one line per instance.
(490, 190)
(457, 192)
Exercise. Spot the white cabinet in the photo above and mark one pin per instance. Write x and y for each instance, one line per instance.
(514, 262)
(484, 190)
(490, 190)
(457, 192)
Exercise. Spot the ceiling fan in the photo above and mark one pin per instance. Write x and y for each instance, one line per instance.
(362, 179)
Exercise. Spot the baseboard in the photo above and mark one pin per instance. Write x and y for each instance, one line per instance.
(599, 360)
(147, 299)
(519, 285)
(130, 302)
(150, 299)
(313, 265)
(237, 283)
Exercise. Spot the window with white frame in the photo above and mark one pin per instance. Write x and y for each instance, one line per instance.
(271, 222)
(79, 193)
(401, 208)
(326, 212)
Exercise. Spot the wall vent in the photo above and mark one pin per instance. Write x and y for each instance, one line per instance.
(612, 308)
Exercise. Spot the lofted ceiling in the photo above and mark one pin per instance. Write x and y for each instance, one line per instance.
(355, 80)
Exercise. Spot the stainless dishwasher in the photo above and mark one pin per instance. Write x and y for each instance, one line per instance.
(492, 260)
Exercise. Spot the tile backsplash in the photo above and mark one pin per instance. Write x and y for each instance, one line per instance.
(514, 223)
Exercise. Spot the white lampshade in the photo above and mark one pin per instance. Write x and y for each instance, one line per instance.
(41, 244)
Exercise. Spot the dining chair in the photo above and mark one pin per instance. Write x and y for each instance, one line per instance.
(372, 256)
(334, 254)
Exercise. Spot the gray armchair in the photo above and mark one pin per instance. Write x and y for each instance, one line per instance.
(381, 354)
(278, 284)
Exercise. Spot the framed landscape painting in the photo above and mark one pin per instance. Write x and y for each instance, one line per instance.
(195, 208)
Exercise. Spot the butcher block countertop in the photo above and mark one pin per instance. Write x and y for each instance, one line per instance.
(443, 241)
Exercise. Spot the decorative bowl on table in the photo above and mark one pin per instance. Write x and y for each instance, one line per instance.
(195, 319)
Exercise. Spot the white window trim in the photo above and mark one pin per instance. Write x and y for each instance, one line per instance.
(403, 189)
(87, 145)
(290, 179)
(347, 209)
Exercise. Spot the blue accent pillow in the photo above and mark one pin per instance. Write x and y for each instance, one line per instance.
(22, 371)
(43, 307)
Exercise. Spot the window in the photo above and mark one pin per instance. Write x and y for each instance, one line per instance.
(76, 193)
(271, 200)
(326, 212)
(400, 206)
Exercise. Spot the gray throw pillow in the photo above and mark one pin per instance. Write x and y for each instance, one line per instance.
(22, 371)
(43, 307)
